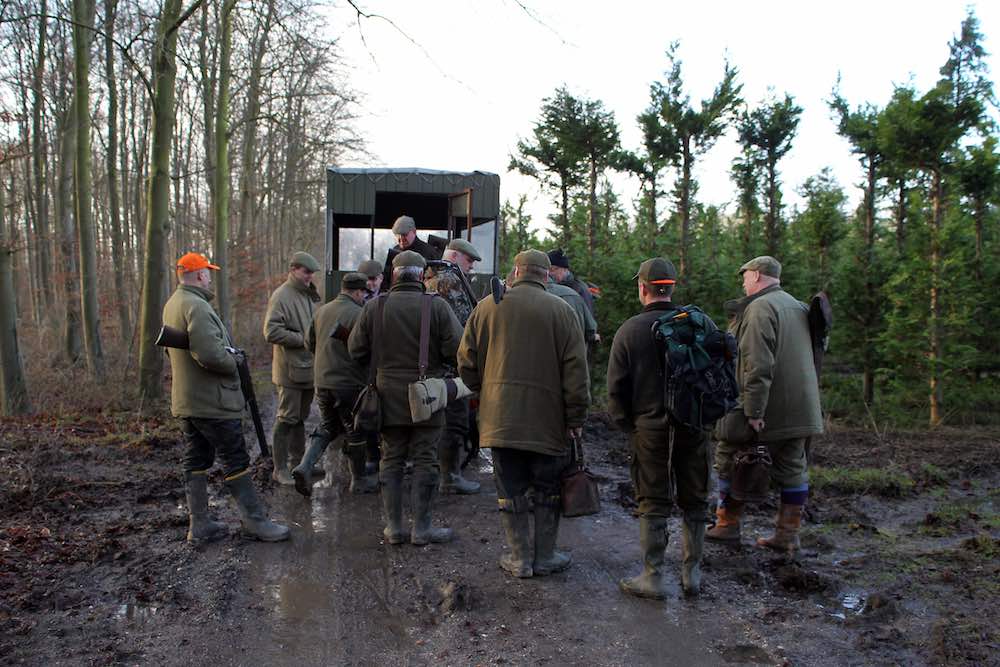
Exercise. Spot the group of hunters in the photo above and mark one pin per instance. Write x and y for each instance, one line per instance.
(525, 359)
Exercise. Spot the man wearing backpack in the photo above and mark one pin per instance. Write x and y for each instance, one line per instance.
(669, 461)
(780, 397)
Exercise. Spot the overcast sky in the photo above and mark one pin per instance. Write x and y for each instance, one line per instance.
(471, 81)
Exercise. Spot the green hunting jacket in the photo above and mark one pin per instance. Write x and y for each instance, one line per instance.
(286, 325)
(587, 322)
(205, 383)
(527, 359)
(775, 370)
(399, 347)
(334, 368)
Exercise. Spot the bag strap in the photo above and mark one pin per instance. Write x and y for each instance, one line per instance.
(425, 333)
(576, 451)
(376, 330)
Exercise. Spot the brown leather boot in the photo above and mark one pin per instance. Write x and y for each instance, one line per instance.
(786, 532)
(727, 523)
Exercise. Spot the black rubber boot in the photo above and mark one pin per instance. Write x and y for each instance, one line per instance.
(421, 499)
(693, 544)
(255, 521)
(361, 481)
(653, 540)
(547, 559)
(449, 449)
(517, 529)
(303, 472)
(279, 452)
(392, 503)
(201, 528)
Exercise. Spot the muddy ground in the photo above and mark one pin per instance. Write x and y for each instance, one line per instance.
(901, 565)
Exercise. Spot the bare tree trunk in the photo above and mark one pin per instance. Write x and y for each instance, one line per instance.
(114, 205)
(685, 206)
(83, 15)
(13, 390)
(65, 130)
(222, 163)
(901, 216)
(158, 216)
(871, 290)
(771, 219)
(934, 323)
(44, 258)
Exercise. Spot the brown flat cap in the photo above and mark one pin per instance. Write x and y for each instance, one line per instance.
(370, 267)
(404, 225)
(532, 257)
(409, 258)
(464, 247)
(766, 264)
(353, 280)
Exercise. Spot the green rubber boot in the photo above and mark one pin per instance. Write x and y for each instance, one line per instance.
(392, 504)
(653, 540)
(201, 528)
(279, 452)
(692, 546)
(255, 522)
(424, 487)
(304, 471)
(449, 449)
(547, 559)
(518, 532)
(361, 481)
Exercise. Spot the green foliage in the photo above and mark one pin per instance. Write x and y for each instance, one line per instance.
(888, 482)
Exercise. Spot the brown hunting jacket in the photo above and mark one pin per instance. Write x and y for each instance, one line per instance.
(399, 347)
(775, 370)
(205, 383)
(527, 359)
(286, 325)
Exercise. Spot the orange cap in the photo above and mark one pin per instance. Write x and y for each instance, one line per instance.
(195, 261)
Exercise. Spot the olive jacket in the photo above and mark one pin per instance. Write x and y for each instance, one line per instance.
(286, 325)
(527, 359)
(399, 347)
(334, 368)
(775, 370)
(587, 322)
(205, 383)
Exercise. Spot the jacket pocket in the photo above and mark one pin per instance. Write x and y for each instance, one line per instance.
(230, 395)
(300, 371)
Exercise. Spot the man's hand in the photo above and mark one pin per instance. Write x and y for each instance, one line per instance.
(597, 338)
(574, 432)
(756, 424)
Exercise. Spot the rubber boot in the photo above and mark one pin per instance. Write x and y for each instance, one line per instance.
(692, 546)
(255, 521)
(279, 452)
(653, 541)
(303, 472)
(200, 527)
(547, 559)
(361, 481)
(786, 531)
(422, 497)
(451, 470)
(727, 523)
(296, 450)
(518, 531)
(392, 503)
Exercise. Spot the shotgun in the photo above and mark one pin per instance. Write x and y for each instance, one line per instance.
(177, 339)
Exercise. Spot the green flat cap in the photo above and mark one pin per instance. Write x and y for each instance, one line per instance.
(409, 258)
(656, 271)
(767, 265)
(532, 257)
(404, 225)
(370, 267)
(466, 248)
(305, 260)
(353, 280)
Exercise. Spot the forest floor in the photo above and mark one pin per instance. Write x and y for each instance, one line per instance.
(900, 565)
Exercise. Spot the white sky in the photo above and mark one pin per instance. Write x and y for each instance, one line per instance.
(473, 82)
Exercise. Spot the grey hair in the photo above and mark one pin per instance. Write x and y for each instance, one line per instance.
(408, 274)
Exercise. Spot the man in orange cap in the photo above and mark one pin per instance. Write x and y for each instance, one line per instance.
(206, 395)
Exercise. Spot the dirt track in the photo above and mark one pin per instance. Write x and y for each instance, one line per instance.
(94, 569)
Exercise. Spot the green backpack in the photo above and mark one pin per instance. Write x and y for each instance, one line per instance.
(699, 367)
